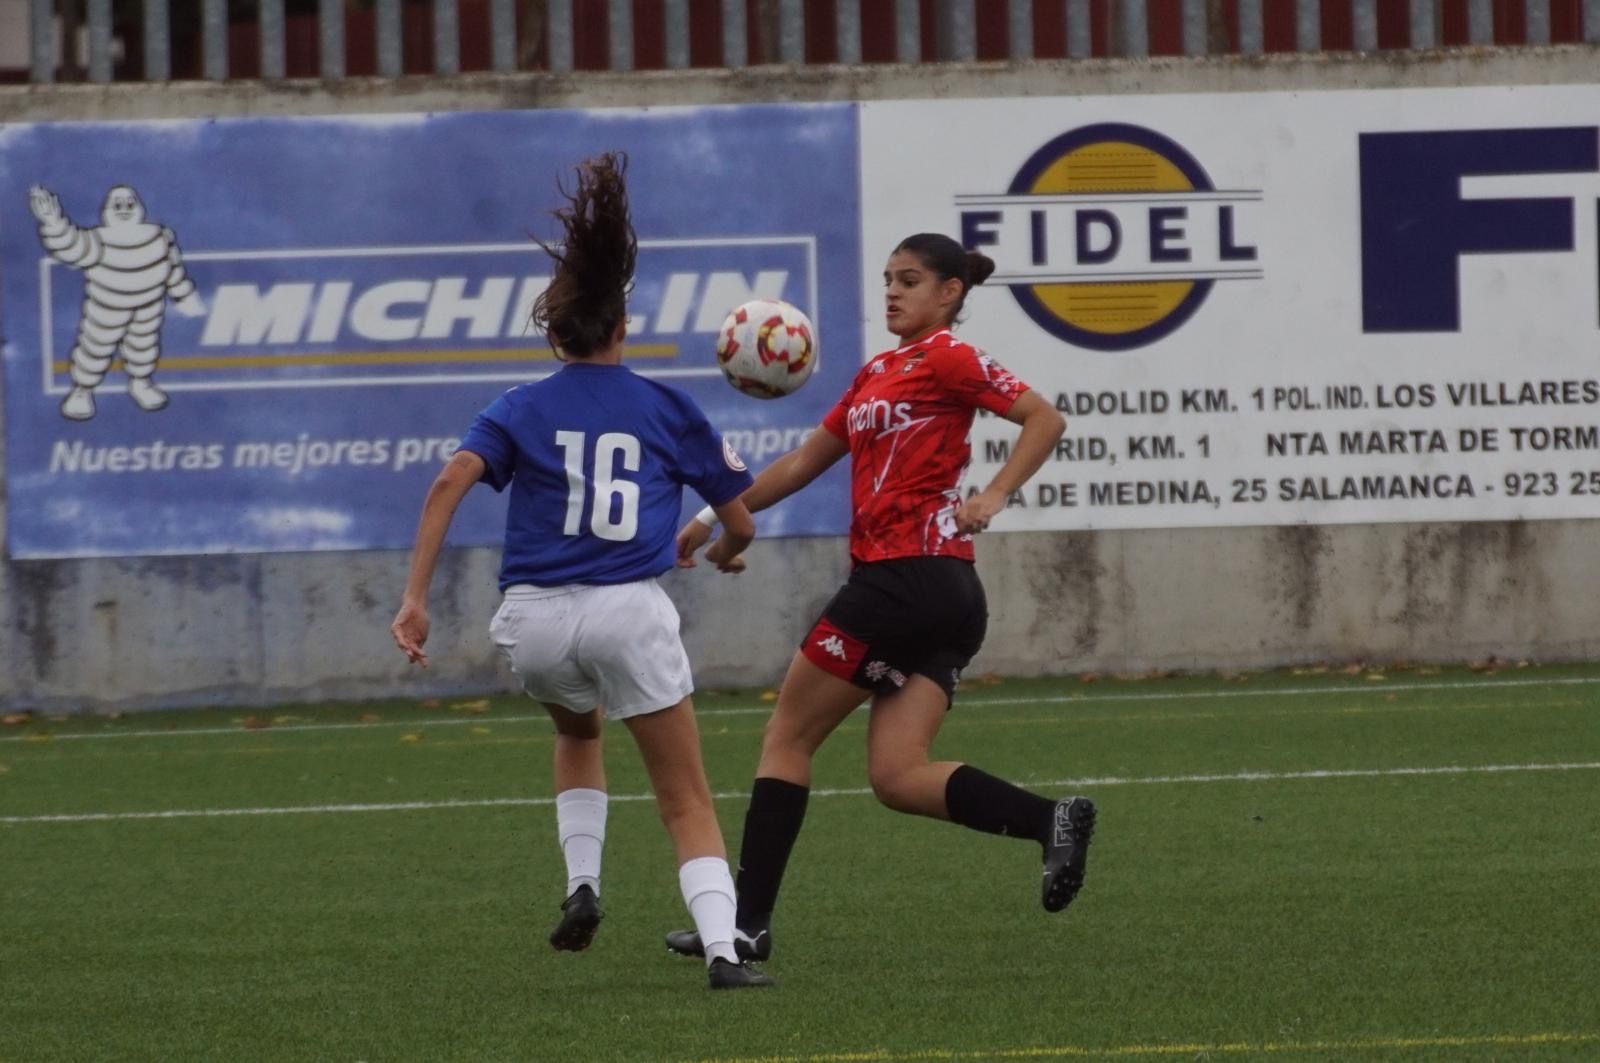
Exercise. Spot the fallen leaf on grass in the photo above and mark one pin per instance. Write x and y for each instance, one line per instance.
(989, 679)
(431, 703)
(1488, 665)
(1089, 677)
(1428, 671)
(477, 708)
(1354, 668)
(37, 736)
(411, 737)
(769, 695)
(16, 719)
(481, 730)
(4, 768)
(287, 719)
(1376, 677)
(368, 717)
(256, 723)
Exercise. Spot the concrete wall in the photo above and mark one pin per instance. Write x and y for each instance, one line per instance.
(95, 634)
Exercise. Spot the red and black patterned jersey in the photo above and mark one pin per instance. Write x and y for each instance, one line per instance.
(906, 418)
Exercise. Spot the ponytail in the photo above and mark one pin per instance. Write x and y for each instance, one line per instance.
(588, 296)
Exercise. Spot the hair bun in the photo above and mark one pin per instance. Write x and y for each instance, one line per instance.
(979, 267)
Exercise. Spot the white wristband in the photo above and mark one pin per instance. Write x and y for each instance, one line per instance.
(707, 516)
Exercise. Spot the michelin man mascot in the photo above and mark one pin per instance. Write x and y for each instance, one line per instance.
(130, 269)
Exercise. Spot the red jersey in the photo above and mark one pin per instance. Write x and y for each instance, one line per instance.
(906, 417)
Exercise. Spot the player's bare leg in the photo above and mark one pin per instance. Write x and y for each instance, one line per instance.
(580, 782)
(811, 704)
(900, 735)
(669, 741)
(906, 779)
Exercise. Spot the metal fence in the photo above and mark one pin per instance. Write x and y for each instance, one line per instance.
(98, 41)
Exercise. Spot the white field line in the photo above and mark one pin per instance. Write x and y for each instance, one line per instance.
(961, 702)
(1052, 784)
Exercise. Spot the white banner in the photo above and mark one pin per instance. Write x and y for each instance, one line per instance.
(1326, 307)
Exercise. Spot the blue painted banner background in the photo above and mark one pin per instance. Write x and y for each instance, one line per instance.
(361, 290)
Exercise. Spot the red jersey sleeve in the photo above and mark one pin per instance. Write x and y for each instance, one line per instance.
(972, 378)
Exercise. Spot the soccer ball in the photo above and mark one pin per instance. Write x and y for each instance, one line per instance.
(767, 348)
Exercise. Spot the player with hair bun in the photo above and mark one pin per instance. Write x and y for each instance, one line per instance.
(912, 613)
(596, 458)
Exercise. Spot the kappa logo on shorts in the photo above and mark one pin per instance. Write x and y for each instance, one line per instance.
(834, 651)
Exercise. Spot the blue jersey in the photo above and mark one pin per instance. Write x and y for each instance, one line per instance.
(596, 457)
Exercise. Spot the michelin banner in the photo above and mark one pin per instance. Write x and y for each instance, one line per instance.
(267, 334)
(1275, 308)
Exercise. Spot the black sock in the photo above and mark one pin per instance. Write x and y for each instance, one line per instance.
(777, 808)
(978, 800)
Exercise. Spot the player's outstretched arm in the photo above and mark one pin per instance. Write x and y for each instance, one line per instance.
(738, 532)
(795, 469)
(772, 485)
(410, 627)
(1042, 424)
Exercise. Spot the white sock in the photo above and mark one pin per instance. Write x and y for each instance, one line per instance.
(581, 826)
(708, 891)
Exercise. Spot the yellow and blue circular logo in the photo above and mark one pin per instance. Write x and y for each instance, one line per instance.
(1111, 236)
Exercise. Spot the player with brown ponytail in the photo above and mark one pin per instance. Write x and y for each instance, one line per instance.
(596, 457)
(912, 613)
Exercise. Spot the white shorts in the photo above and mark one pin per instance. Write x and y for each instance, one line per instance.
(583, 647)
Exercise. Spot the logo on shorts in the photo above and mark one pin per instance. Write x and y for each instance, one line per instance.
(833, 645)
(877, 670)
(731, 456)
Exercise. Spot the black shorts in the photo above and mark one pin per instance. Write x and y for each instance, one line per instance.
(906, 616)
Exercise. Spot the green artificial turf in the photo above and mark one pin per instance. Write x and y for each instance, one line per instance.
(384, 884)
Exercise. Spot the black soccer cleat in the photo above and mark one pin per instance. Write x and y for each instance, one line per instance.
(756, 949)
(1066, 851)
(580, 918)
(725, 975)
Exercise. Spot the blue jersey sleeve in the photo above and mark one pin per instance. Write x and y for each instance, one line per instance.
(707, 463)
(490, 439)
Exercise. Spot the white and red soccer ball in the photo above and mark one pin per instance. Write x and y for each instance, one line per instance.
(767, 348)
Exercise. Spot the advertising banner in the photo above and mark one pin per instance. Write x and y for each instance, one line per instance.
(1274, 308)
(267, 334)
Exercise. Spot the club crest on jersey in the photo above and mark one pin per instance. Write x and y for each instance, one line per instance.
(1111, 236)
